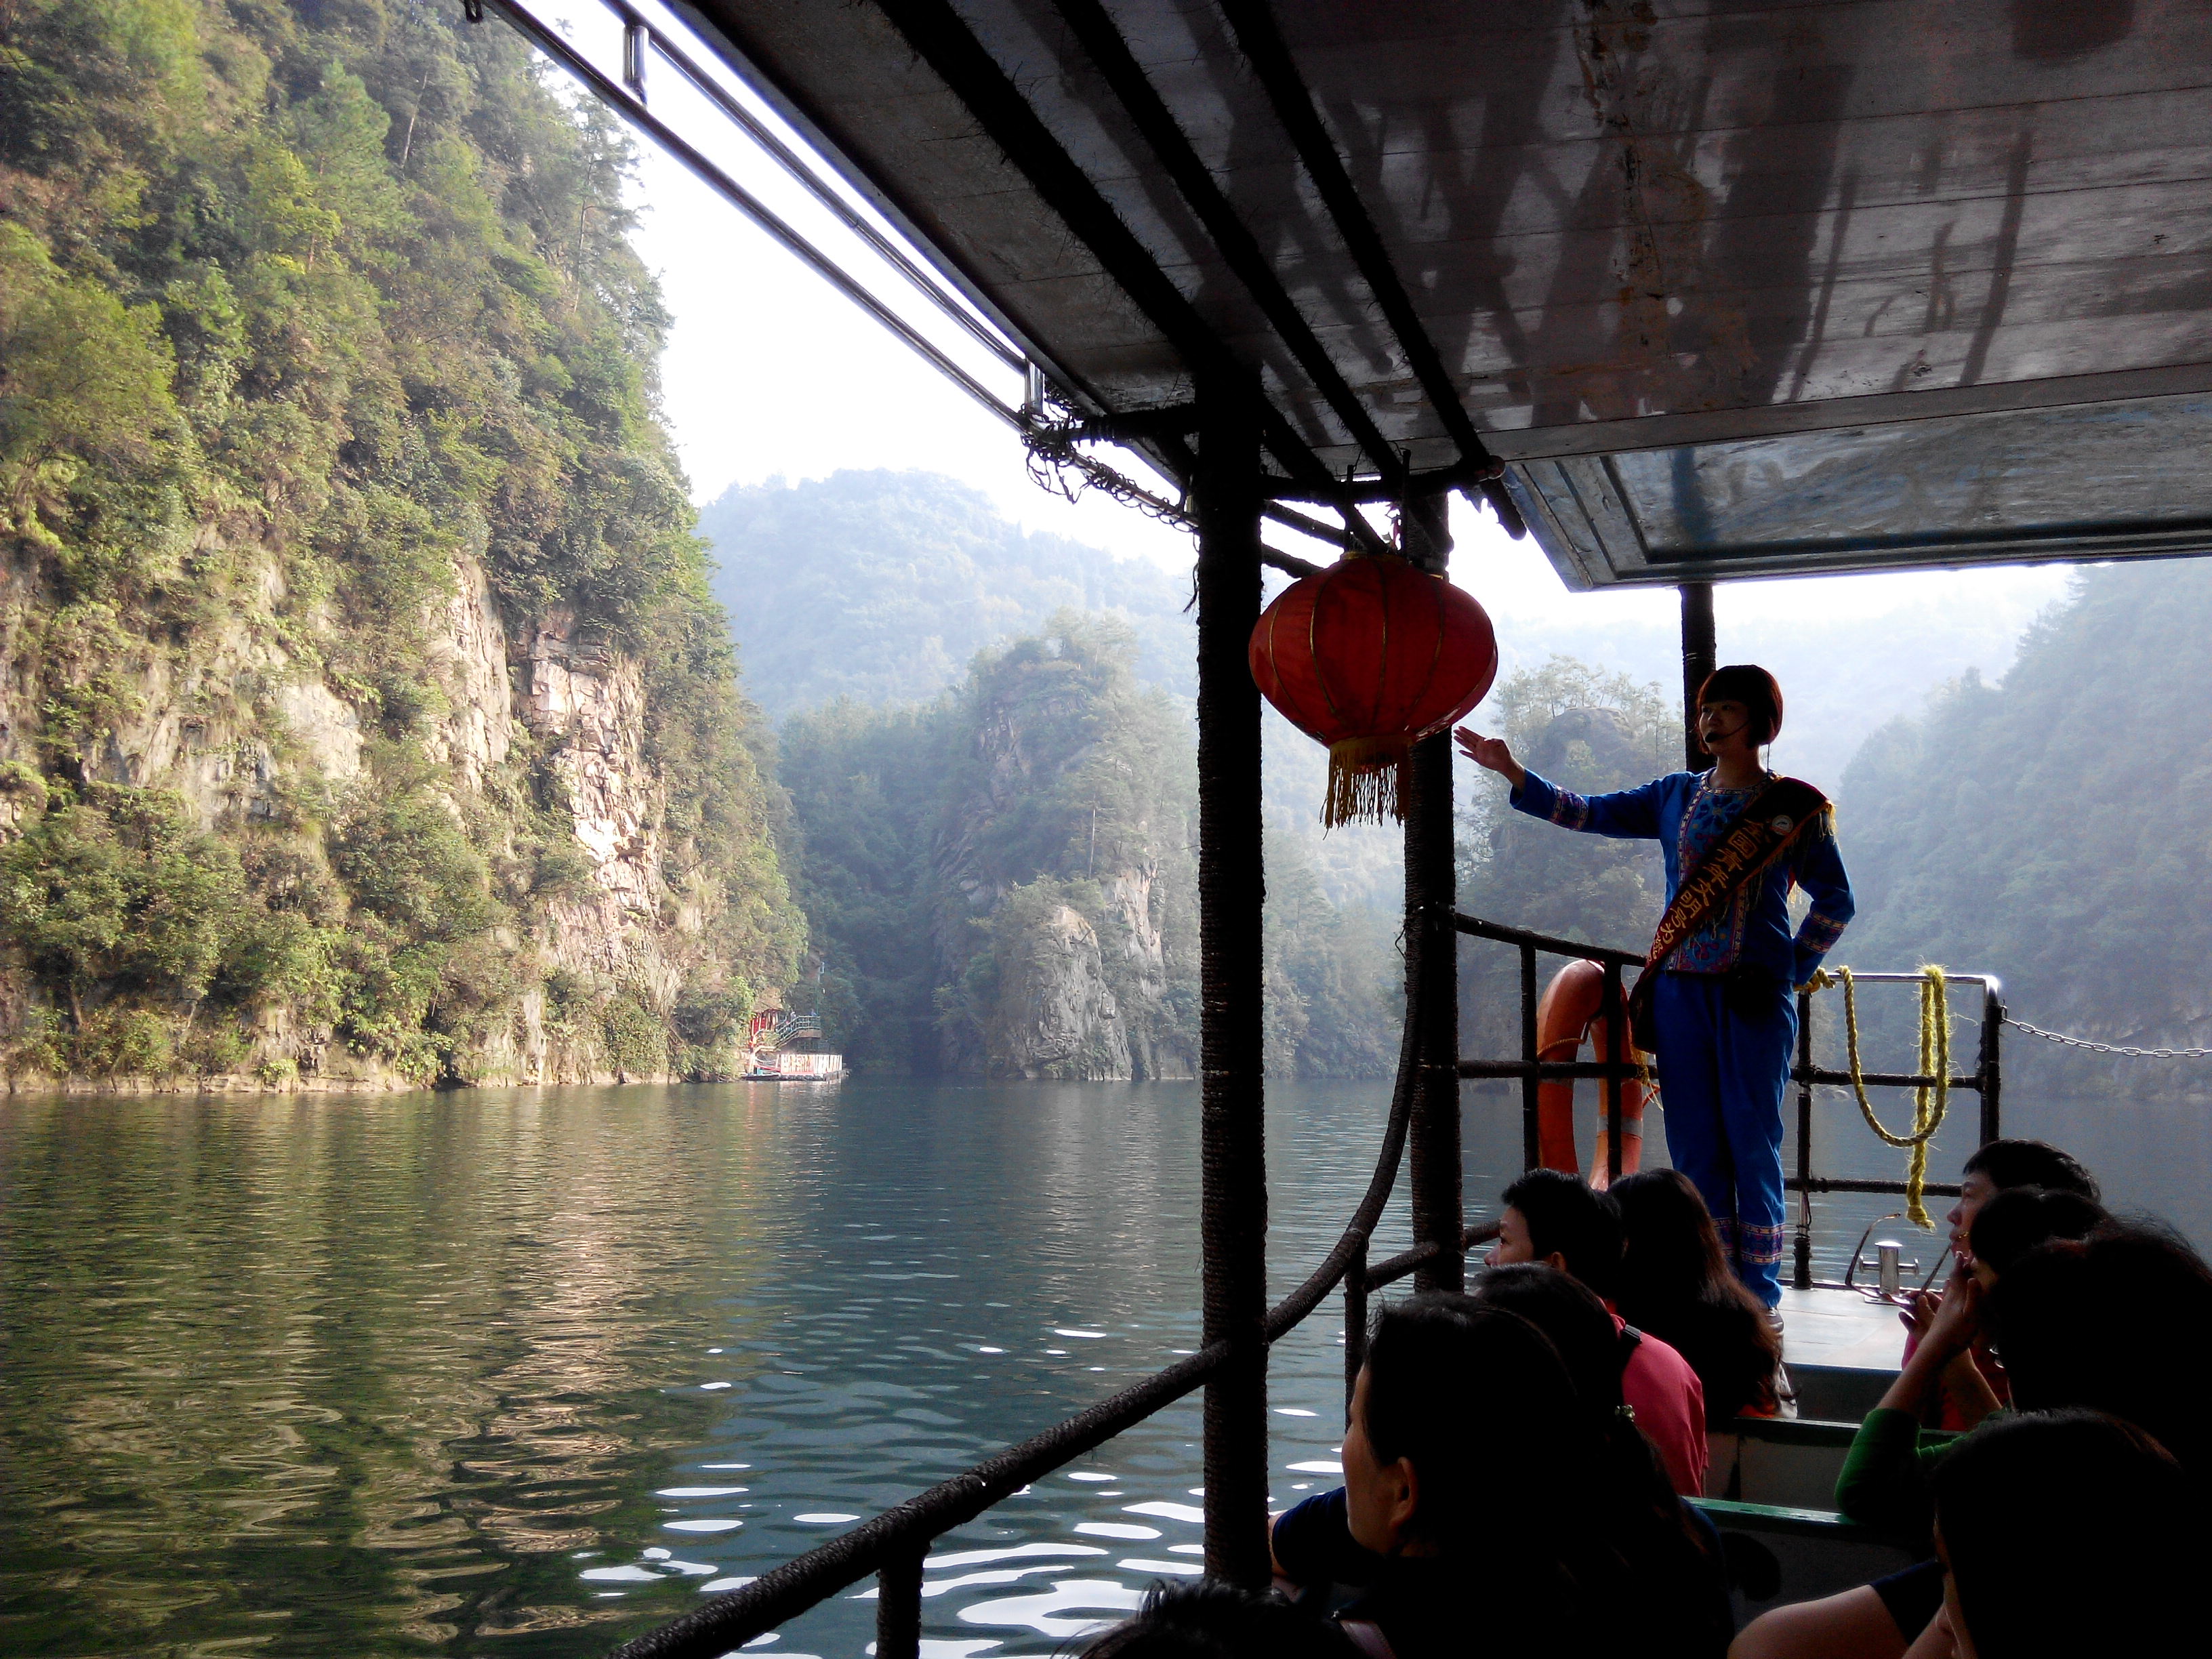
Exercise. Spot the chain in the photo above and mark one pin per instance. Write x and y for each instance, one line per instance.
(2108, 1047)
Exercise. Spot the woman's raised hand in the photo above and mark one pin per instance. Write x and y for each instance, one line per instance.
(1958, 1317)
(1490, 753)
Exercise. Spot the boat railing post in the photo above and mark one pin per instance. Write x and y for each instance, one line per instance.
(1355, 1325)
(1531, 1085)
(898, 1605)
(1991, 1064)
(1433, 960)
(1231, 890)
(1802, 1248)
(1616, 1016)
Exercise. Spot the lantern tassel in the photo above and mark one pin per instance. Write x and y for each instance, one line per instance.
(1366, 780)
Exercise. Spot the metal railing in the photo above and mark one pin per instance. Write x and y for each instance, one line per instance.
(894, 1546)
(1618, 1067)
(1986, 1079)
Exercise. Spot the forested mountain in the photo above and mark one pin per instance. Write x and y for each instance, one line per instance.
(2053, 828)
(364, 712)
(1001, 881)
(882, 587)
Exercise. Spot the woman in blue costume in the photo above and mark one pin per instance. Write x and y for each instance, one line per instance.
(1722, 1007)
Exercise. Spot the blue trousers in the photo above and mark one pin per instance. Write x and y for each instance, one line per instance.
(1721, 1083)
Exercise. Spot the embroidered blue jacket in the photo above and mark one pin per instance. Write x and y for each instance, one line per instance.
(1684, 814)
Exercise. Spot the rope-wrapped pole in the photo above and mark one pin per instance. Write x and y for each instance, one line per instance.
(1231, 888)
(1355, 1326)
(1432, 961)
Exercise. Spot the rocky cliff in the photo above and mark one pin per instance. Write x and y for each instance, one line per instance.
(1000, 883)
(364, 718)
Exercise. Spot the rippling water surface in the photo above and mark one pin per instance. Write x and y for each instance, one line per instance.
(523, 1373)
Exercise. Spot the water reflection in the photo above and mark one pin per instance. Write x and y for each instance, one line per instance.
(525, 1372)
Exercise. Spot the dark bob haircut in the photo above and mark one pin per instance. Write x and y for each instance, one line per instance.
(1752, 686)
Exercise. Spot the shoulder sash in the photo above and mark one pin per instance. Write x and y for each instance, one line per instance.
(1767, 829)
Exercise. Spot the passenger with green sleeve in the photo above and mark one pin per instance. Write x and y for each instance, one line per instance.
(1885, 1480)
(2120, 1321)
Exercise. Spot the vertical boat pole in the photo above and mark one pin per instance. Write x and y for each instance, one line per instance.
(1232, 887)
(1698, 653)
(1432, 962)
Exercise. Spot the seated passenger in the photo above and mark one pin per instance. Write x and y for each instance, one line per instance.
(1678, 1575)
(1676, 1283)
(1205, 1619)
(2017, 1220)
(1463, 1517)
(2067, 1534)
(2119, 1323)
(1994, 1166)
(1551, 1217)
(1884, 1481)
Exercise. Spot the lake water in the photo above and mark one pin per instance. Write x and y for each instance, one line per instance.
(523, 1373)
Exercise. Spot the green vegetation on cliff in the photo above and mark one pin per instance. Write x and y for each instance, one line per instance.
(2051, 828)
(1585, 730)
(1001, 881)
(323, 358)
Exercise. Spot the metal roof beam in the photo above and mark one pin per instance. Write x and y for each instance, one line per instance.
(942, 38)
(1110, 53)
(622, 100)
(1253, 22)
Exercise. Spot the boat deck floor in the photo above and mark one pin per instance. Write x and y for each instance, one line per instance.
(1840, 1329)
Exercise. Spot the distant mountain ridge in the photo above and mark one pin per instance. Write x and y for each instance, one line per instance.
(882, 585)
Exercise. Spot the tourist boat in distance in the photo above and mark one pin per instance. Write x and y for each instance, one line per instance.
(768, 1060)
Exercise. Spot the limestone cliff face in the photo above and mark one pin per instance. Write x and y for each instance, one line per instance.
(250, 723)
(1056, 1017)
(1072, 975)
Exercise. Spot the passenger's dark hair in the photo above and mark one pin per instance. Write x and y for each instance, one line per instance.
(2019, 1218)
(1206, 1618)
(2033, 1164)
(1480, 1401)
(2120, 1322)
(1566, 1216)
(1750, 685)
(2069, 1532)
(1674, 1282)
(1680, 1579)
(1594, 1349)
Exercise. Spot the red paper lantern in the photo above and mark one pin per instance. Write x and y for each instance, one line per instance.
(1369, 656)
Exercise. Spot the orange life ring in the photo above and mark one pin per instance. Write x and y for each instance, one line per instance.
(1573, 1006)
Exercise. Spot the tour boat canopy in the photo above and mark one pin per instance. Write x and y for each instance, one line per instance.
(1731, 291)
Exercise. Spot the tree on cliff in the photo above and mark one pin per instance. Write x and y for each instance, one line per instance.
(1001, 881)
(1585, 730)
(309, 315)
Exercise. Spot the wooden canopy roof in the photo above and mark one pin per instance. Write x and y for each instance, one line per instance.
(1731, 289)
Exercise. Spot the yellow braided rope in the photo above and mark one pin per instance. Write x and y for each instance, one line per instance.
(1930, 1102)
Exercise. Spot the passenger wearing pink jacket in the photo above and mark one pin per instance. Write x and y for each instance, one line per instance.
(1551, 1217)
